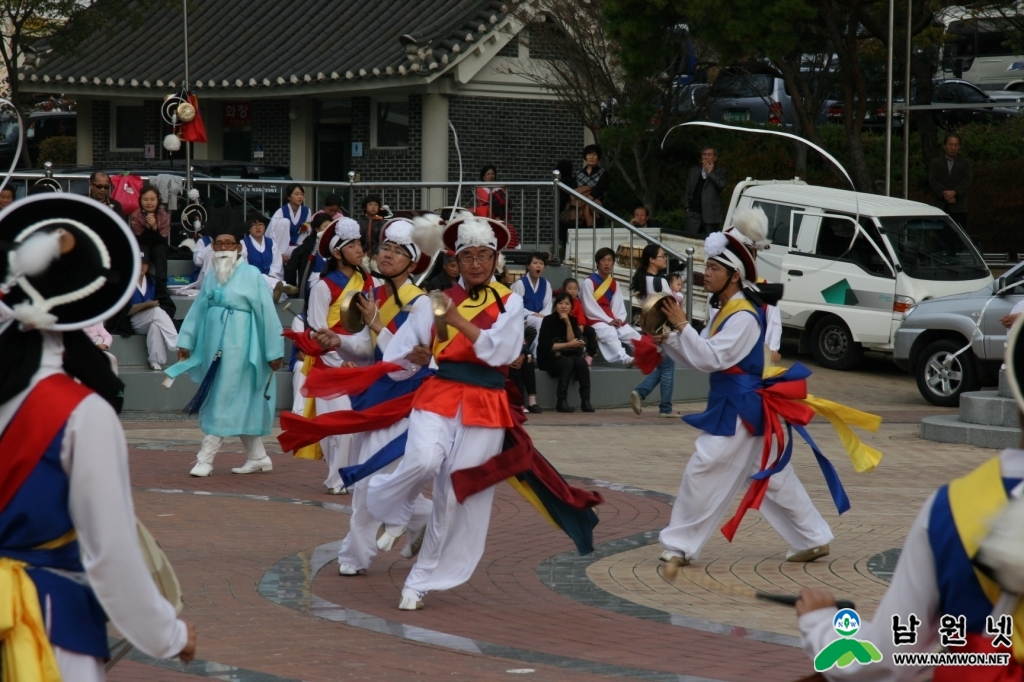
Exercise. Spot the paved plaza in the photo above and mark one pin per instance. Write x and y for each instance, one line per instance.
(255, 558)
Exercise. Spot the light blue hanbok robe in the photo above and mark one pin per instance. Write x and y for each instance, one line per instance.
(239, 319)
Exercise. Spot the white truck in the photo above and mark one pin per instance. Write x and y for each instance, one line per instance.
(847, 281)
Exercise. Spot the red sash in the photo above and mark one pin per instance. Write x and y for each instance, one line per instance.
(40, 418)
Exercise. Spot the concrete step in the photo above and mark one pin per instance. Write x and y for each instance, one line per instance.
(988, 408)
(610, 386)
(143, 391)
(1004, 385)
(949, 429)
(180, 268)
(131, 352)
(294, 307)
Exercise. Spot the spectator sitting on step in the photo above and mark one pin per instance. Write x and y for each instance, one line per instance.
(448, 275)
(149, 314)
(606, 311)
(561, 352)
(261, 251)
(151, 225)
(305, 258)
(102, 339)
(332, 208)
(572, 287)
(6, 197)
(290, 225)
(536, 292)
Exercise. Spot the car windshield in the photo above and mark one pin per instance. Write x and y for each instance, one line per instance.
(8, 130)
(933, 247)
(742, 85)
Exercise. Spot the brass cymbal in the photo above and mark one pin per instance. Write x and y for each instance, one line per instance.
(351, 316)
(652, 319)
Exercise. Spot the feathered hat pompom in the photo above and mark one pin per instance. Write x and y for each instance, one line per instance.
(475, 232)
(427, 233)
(36, 253)
(752, 223)
(715, 244)
(501, 261)
(399, 231)
(172, 143)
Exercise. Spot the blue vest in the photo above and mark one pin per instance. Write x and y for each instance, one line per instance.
(294, 227)
(960, 592)
(733, 395)
(262, 260)
(534, 300)
(37, 514)
(139, 297)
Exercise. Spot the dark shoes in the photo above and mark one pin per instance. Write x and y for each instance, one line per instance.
(563, 406)
(533, 409)
(586, 406)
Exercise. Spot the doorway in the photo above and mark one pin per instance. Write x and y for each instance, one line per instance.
(333, 152)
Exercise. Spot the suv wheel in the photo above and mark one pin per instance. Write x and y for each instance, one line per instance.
(941, 377)
(833, 346)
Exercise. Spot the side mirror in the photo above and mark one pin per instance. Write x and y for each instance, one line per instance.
(998, 286)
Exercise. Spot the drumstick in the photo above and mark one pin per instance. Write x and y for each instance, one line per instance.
(736, 591)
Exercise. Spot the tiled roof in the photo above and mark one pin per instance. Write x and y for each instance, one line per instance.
(248, 44)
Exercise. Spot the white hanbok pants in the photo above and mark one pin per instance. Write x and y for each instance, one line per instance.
(610, 340)
(720, 468)
(159, 329)
(456, 533)
(79, 667)
(253, 446)
(298, 381)
(360, 545)
(336, 449)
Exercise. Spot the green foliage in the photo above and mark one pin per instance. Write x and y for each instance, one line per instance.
(61, 150)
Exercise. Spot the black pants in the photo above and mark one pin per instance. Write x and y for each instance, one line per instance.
(566, 368)
(525, 379)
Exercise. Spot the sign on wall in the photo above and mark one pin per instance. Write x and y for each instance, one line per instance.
(357, 149)
(257, 151)
(237, 114)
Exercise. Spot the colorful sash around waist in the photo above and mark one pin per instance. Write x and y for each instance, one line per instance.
(471, 373)
(763, 403)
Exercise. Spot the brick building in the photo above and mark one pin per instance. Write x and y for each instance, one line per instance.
(372, 92)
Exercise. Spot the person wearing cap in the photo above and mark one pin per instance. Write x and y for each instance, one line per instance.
(341, 248)
(384, 312)
(262, 252)
(606, 312)
(448, 275)
(230, 344)
(963, 557)
(744, 416)
(148, 315)
(69, 552)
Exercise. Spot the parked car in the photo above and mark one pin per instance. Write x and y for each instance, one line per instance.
(41, 125)
(962, 92)
(741, 97)
(933, 334)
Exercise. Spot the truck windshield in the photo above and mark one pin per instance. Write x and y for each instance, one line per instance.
(933, 247)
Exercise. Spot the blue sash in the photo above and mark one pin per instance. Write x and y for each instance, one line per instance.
(139, 297)
(533, 301)
(261, 259)
(295, 227)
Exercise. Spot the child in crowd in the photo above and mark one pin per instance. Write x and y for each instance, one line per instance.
(675, 284)
(572, 287)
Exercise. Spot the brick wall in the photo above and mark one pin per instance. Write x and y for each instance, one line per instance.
(101, 153)
(524, 139)
(389, 165)
(272, 128)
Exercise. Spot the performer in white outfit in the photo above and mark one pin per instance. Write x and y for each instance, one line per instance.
(147, 317)
(384, 313)
(264, 253)
(341, 247)
(974, 521)
(70, 557)
(289, 225)
(731, 348)
(459, 417)
(536, 293)
(605, 310)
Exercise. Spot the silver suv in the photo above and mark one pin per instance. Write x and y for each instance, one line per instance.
(933, 332)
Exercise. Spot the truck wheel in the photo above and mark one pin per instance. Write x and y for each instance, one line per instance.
(941, 378)
(832, 345)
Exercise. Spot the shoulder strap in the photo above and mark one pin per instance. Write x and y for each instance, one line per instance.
(37, 422)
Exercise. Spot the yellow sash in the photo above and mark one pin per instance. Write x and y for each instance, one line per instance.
(390, 309)
(975, 500)
(27, 653)
(309, 411)
(355, 283)
(731, 307)
(600, 291)
(469, 309)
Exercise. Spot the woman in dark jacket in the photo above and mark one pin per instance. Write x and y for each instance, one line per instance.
(560, 352)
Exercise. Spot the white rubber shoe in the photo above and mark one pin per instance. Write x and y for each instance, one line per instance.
(202, 469)
(348, 569)
(412, 546)
(636, 402)
(411, 601)
(386, 536)
(253, 466)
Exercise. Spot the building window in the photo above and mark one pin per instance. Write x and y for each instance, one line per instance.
(127, 126)
(390, 123)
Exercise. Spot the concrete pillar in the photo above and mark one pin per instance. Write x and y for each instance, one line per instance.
(434, 150)
(84, 130)
(301, 115)
(213, 119)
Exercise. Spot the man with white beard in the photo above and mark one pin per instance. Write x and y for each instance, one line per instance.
(230, 344)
